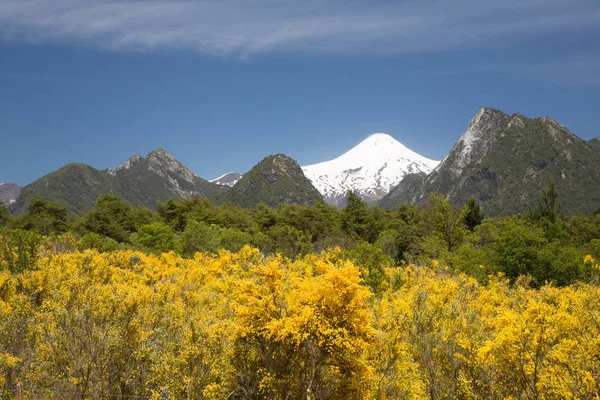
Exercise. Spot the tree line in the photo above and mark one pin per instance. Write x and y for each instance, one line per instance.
(542, 244)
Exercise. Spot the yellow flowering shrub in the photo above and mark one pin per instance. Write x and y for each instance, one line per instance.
(84, 325)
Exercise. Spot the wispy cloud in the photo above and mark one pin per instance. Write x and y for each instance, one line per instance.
(245, 27)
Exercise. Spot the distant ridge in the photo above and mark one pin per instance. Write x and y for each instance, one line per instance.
(228, 179)
(142, 181)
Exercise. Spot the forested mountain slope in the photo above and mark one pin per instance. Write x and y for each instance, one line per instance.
(142, 181)
(504, 162)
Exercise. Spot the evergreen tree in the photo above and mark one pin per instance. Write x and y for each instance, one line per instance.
(472, 215)
(356, 219)
(548, 205)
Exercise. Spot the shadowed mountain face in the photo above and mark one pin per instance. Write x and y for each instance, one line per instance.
(142, 181)
(504, 161)
(276, 180)
(9, 193)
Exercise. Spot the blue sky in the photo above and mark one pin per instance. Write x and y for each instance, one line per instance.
(222, 84)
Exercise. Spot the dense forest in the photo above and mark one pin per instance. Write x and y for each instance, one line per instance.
(299, 302)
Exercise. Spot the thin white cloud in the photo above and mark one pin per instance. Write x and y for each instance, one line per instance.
(245, 27)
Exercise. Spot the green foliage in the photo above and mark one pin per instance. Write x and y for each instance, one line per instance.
(5, 216)
(19, 250)
(472, 216)
(45, 217)
(411, 224)
(175, 213)
(357, 220)
(144, 216)
(548, 205)
(390, 243)
(264, 216)
(198, 236)
(544, 250)
(445, 221)
(516, 251)
(233, 239)
(288, 241)
(98, 242)
(157, 237)
(372, 262)
(111, 217)
(583, 229)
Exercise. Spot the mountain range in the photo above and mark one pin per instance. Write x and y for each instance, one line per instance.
(503, 161)
(142, 181)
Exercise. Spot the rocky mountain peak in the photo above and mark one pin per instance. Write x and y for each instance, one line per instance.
(131, 161)
(160, 154)
(517, 121)
(158, 161)
(553, 122)
(287, 165)
(558, 130)
(9, 192)
(485, 117)
(476, 138)
(162, 163)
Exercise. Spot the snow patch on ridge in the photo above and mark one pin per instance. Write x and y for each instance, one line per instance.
(228, 179)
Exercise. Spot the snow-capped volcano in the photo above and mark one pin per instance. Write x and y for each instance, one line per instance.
(371, 169)
(228, 179)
